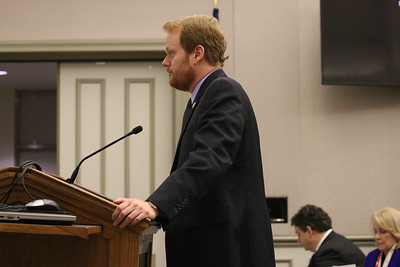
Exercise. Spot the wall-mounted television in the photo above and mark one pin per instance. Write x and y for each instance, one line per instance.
(360, 42)
(277, 209)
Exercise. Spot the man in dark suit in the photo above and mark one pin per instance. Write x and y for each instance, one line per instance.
(212, 205)
(313, 227)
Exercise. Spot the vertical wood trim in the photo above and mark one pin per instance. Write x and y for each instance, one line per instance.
(152, 134)
(103, 137)
(180, 99)
(78, 133)
(126, 145)
(78, 89)
(151, 113)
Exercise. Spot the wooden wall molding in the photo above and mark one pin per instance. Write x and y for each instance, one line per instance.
(82, 50)
(291, 241)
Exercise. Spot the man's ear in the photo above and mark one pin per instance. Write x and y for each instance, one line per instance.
(309, 230)
(199, 52)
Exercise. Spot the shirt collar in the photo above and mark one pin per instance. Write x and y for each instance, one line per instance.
(197, 87)
(323, 238)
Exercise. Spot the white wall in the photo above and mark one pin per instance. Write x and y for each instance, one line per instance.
(333, 146)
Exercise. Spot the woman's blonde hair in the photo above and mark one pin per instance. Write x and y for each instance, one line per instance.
(201, 30)
(389, 220)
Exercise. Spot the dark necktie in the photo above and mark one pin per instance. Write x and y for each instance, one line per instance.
(187, 113)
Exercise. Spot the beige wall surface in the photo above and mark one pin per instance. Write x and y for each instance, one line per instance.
(93, 19)
(333, 146)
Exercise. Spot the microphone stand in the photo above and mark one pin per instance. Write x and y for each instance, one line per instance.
(72, 179)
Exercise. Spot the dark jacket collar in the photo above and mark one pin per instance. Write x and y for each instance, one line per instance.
(216, 74)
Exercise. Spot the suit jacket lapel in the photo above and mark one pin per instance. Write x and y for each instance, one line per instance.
(216, 74)
(186, 114)
(312, 261)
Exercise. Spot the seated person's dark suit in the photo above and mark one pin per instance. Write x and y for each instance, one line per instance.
(337, 250)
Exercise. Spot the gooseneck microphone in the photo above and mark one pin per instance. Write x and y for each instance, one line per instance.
(135, 130)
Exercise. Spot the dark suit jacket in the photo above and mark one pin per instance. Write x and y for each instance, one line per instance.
(337, 250)
(213, 202)
(373, 256)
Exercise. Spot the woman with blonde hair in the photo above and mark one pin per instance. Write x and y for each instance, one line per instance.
(386, 225)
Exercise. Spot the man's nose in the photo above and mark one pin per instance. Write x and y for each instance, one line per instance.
(164, 62)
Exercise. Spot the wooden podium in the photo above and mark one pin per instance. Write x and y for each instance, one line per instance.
(91, 241)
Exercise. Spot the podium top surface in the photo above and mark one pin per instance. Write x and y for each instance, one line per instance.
(89, 207)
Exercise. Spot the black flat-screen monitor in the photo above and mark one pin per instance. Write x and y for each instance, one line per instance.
(278, 209)
(360, 42)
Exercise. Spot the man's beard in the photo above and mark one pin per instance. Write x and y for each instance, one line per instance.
(182, 79)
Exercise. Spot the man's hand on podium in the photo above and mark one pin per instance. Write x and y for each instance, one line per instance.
(130, 211)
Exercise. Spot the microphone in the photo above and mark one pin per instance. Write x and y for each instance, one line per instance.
(135, 130)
